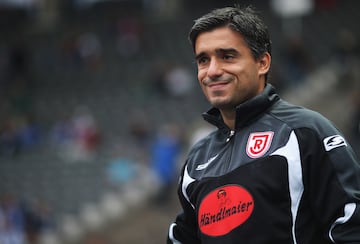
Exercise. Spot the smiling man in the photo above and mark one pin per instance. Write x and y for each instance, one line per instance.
(273, 172)
(227, 71)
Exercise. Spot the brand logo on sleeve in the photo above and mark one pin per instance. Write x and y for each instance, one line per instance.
(204, 166)
(335, 141)
(259, 143)
(224, 209)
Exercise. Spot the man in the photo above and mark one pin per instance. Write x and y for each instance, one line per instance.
(272, 172)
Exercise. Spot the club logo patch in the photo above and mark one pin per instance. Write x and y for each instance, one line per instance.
(332, 142)
(259, 143)
(224, 209)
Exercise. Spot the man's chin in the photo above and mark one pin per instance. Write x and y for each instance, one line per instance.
(221, 104)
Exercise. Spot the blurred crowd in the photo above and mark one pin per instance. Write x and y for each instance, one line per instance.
(23, 222)
(77, 136)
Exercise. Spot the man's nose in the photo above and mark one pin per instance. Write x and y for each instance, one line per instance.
(214, 69)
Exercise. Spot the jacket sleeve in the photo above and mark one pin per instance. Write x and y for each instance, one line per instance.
(332, 182)
(184, 229)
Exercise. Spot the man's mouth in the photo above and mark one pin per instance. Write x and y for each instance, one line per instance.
(216, 85)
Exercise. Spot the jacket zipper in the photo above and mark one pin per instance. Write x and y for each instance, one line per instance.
(230, 149)
(231, 134)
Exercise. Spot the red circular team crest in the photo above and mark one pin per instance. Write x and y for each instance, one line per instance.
(224, 209)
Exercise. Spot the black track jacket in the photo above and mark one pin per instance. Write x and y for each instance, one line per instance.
(285, 175)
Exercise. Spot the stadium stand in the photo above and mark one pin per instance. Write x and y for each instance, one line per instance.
(109, 60)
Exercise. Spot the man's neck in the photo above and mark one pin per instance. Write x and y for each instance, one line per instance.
(229, 117)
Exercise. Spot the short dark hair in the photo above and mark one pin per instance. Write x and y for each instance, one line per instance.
(242, 20)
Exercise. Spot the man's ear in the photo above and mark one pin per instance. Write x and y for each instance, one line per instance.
(264, 63)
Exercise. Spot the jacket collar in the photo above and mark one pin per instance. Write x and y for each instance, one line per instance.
(246, 112)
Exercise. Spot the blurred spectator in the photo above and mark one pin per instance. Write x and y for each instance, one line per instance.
(296, 62)
(82, 50)
(157, 78)
(86, 134)
(347, 57)
(9, 138)
(291, 13)
(18, 129)
(39, 219)
(78, 137)
(165, 153)
(171, 80)
(12, 229)
(23, 223)
(140, 131)
(90, 50)
(121, 169)
(69, 51)
(292, 9)
(129, 36)
(179, 81)
(29, 133)
(61, 133)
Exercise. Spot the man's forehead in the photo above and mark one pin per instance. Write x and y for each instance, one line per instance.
(218, 40)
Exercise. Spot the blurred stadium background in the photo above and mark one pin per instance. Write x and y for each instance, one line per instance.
(99, 104)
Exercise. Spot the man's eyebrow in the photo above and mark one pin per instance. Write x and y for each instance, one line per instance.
(218, 51)
(226, 50)
(200, 55)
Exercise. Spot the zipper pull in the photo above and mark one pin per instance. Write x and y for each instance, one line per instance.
(232, 132)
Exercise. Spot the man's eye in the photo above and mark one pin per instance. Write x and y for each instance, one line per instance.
(228, 57)
(202, 60)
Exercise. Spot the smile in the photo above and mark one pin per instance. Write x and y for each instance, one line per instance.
(217, 85)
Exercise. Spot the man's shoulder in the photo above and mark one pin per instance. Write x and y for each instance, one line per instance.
(297, 117)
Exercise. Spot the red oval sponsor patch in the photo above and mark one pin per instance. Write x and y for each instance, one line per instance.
(224, 209)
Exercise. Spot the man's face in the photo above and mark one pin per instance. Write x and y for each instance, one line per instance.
(227, 72)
